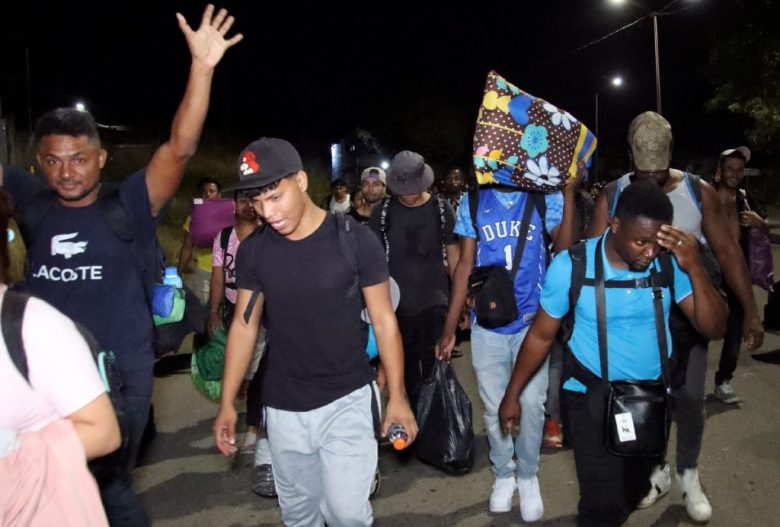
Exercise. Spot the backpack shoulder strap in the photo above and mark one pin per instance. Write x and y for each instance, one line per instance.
(578, 266)
(114, 212)
(694, 186)
(667, 271)
(12, 318)
(250, 306)
(540, 202)
(473, 208)
(384, 224)
(348, 244)
(224, 238)
(32, 215)
(442, 211)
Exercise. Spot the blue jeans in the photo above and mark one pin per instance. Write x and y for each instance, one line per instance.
(123, 507)
(493, 356)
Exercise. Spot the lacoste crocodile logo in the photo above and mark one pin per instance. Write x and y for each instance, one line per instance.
(61, 245)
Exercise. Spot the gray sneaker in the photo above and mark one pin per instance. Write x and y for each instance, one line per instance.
(263, 481)
(725, 393)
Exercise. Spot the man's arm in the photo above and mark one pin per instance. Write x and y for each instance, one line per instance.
(207, 46)
(600, 219)
(458, 292)
(185, 254)
(391, 355)
(733, 265)
(705, 307)
(216, 294)
(568, 232)
(238, 353)
(453, 255)
(534, 349)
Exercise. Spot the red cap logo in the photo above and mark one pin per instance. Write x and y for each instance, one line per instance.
(249, 164)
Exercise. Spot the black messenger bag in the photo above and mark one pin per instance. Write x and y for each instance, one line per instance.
(638, 412)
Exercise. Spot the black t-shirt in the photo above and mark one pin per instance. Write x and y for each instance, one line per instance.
(416, 260)
(317, 341)
(363, 220)
(77, 264)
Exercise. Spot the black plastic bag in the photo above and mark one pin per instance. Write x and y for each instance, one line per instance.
(446, 437)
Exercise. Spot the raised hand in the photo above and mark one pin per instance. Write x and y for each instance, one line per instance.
(208, 44)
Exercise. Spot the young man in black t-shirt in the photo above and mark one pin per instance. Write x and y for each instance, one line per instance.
(319, 390)
(416, 229)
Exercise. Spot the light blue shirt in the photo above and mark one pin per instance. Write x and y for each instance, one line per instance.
(631, 334)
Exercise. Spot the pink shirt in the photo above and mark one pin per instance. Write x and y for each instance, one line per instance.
(62, 371)
(228, 260)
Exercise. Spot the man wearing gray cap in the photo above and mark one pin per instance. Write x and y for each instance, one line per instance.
(321, 401)
(741, 212)
(697, 210)
(372, 184)
(416, 229)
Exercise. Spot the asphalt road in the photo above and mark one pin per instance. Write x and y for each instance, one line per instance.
(184, 481)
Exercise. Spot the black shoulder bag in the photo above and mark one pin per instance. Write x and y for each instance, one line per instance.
(492, 287)
(638, 412)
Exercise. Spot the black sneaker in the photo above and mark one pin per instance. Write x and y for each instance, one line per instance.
(263, 481)
(457, 352)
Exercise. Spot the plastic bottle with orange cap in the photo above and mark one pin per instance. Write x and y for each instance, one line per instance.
(397, 436)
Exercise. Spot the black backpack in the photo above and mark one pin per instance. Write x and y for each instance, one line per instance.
(11, 318)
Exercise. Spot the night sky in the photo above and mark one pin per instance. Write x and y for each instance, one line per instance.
(409, 73)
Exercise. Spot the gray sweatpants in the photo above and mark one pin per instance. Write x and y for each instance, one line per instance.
(324, 461)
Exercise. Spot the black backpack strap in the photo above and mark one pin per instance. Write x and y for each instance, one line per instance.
(540, 202)
(224, 240)
(12, 318)
(114, 213)
(32, 215)
(348, 243)
(578, 266)
(667, 272)
(601, 313)
(443, 219)
(255, 293)
(384, 224)
(660, 328)
(473, 208)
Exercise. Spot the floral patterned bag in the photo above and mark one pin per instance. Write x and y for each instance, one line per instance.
(526, 142)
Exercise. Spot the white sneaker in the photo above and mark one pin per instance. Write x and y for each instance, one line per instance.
(501, 497)
(660, 481)
(531, 506)
(696, 502)
(725, 393)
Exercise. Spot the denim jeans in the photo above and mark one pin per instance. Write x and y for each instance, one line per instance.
(123, 507)
(493, 356)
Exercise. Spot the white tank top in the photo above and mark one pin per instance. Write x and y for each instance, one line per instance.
(687, 215)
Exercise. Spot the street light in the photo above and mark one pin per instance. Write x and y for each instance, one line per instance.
(80, 106)
(654, 16)
(615, 82)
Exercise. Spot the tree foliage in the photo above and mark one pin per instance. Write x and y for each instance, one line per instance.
(744, 68)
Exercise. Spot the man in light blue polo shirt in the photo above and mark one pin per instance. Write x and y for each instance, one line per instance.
(611, 485)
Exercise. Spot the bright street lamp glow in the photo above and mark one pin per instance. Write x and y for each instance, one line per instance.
(617, 81)
(385, 165)
(617, 2)
(80, 107)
